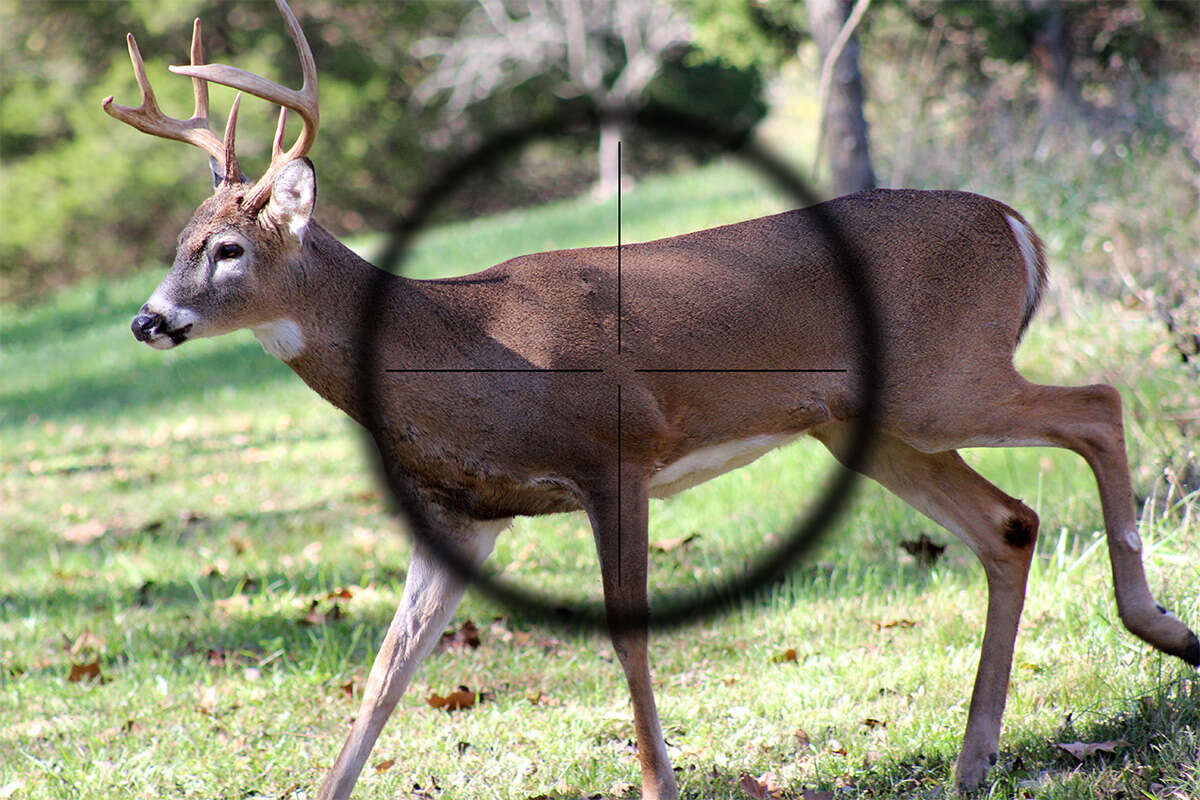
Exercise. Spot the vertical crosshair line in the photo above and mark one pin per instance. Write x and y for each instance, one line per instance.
(620, 506)
(618, 247)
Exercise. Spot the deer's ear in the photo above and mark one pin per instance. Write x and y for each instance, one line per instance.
(293, 196)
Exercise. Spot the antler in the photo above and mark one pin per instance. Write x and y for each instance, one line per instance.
(303, 102)
(149, 118)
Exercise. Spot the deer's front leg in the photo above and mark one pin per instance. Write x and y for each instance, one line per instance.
(431, 594)
(619, 522)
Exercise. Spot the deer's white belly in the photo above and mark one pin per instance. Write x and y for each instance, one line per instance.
(707, 463)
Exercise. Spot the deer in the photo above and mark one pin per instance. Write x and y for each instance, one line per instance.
(956, 279)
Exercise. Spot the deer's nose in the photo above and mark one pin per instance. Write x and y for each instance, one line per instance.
(145, 324)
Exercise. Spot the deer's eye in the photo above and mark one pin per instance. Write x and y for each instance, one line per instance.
(228, 251)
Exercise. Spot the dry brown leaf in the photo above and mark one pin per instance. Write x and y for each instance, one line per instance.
(760, 788)
(341, 594)
(896, 623)
(924, 550)
(216, 569)
(347, 689)
(815, 794)
(466, 636)
(461, 698)
(667, 545)
(802, 739)
(314, 616)
(237, 602)
(873, 723)
(1082, 750)
(84, 642)
(89, 671)
(786, 655)
(85, 532)
(384, 766)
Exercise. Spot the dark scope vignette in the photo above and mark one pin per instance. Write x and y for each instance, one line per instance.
(772, 565)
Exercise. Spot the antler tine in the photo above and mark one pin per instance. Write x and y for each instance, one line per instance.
(233, 170)
(302, 101)
(199, 87)
(149, 118)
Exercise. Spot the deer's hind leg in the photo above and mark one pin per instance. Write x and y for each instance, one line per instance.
(1001, 531)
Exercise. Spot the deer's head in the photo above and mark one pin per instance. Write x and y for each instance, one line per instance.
(235, 254)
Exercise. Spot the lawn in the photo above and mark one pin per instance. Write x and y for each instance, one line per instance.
(197, 568)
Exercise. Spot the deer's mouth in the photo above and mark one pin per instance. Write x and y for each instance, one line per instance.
(154, 329)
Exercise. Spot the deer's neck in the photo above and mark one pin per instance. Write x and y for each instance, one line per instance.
(345, 322)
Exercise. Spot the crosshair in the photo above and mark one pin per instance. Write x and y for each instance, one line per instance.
(774, 565)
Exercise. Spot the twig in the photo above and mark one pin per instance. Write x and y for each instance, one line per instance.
(835, 52)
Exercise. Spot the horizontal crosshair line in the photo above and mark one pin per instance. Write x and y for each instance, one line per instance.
(533, 369)
(740, 370)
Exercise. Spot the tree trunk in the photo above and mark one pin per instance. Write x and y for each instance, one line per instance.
(1051, 56)
(845, 127)
(608, 182)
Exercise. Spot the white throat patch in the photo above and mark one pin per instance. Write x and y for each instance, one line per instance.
(281, 338)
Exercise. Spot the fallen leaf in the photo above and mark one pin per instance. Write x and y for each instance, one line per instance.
(89, 671)
(208, 701)
(667, 545)
(873, 723)
(384, 766)
(786, 655)
(315, 616)
(802, 740)
(760, 788)
(347, 689)
(342, 594)
(814, 794)
(85, 532)
(237, 602)
(86, 641)
(461, 698)
(1082, 750)
(215, 569)
(924, 550)
(467, 636)
(896, 623)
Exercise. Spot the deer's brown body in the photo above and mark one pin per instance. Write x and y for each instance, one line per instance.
(955, 278)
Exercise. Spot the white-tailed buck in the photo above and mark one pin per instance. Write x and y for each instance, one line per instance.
(956, 278)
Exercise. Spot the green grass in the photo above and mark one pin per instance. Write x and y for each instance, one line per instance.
(184, 509)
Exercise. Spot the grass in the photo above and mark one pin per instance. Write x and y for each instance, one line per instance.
(174, 517)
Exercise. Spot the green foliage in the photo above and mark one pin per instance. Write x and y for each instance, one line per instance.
(759, 34)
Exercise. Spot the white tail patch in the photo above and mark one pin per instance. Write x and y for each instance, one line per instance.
(1033, 270)
(281, 338)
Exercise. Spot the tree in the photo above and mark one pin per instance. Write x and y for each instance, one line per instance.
(607, 51)
(843, 126)
(766, 33)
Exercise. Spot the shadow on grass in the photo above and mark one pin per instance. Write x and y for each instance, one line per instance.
(124, 391)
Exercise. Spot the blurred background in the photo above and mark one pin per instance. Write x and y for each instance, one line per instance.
(1078, 112)
(195, 531)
